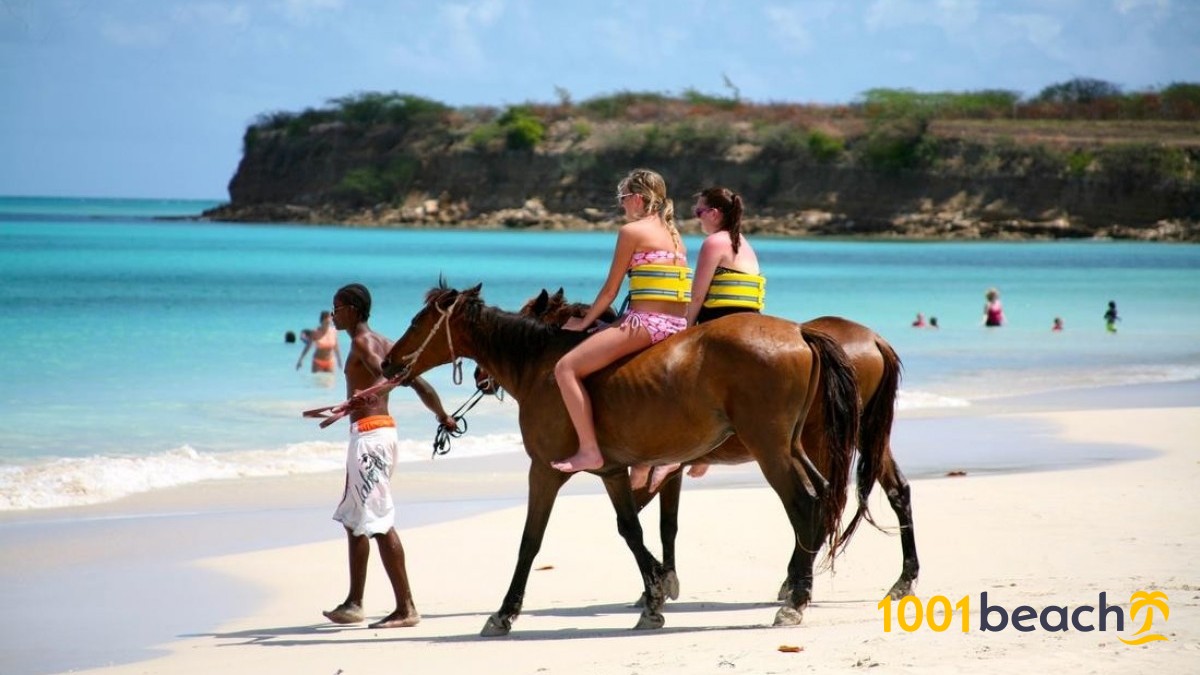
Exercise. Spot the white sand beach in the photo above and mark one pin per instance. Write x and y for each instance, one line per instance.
(1043, 539)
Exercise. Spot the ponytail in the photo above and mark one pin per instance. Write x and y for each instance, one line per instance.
(733, 221)
(729, 203)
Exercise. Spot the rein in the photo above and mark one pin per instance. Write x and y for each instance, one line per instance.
(454, 359)
(441, 437)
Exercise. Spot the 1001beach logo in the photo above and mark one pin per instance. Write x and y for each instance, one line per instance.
(938, 614)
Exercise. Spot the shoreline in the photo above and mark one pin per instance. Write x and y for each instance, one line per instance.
(921, 226)
(60, 559)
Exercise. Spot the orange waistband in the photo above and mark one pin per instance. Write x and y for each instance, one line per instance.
(374, 422)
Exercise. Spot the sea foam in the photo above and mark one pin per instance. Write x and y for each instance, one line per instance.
(79, 481)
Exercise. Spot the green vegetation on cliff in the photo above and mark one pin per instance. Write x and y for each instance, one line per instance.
(1079, 155)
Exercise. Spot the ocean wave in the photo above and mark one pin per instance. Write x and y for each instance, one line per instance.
(919, 400)
(81, 481)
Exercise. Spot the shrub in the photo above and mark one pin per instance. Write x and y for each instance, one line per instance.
(364, 185)
(899, 145)
(824, 147)
(522, 130)
(1139, 164)
(484, 136)
(372, 108)
(782, 141)
(1079, 161)
(617, 105)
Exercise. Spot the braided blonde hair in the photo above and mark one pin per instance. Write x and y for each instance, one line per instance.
(653, 191)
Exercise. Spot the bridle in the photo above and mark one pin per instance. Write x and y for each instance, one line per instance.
(455, 360)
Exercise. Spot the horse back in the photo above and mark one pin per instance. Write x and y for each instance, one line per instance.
(678, 399)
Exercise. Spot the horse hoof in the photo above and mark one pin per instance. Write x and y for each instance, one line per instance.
(650, 622)
(900, 589)
(671, 585)
(786, 616)
(495, 627)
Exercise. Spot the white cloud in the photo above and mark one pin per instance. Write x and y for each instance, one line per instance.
(464, 22)
(790, 26)
(216, 13)
(1039, 30)
(304, 11)
(955, 17)
(140, 36)
(1159, 7)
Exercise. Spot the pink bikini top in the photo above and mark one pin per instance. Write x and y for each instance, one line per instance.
(656, 257)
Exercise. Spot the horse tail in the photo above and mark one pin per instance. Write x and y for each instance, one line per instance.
(875, 431)
(839, 391)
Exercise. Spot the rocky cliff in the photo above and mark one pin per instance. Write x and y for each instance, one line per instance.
(914, 181)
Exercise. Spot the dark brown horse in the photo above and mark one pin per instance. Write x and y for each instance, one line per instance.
(755, 377)
(877, 370)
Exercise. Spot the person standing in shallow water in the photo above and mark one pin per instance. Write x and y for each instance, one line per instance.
(1110, 317)
(324, 343)
(993, 311)
(367, 509)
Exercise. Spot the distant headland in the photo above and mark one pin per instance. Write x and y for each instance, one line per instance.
(1079, 160)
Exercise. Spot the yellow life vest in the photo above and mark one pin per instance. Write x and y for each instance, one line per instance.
(672, 283)
(734, 289)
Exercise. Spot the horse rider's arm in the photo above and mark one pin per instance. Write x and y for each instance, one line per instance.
(711, 252)
(626, 245)
(432, 401)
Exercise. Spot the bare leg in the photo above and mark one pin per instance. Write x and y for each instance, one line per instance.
(391, 551)
(639, 476)
(660, 474)
(359, 552)
(601, 349)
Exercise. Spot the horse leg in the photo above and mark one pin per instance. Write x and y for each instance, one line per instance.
(900, 497)
(544, 484)
(789, 479)
(653, 576)
(815, 487)
(668, 525)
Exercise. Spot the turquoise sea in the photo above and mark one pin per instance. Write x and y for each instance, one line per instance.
(146, 350)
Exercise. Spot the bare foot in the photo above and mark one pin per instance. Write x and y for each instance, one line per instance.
(398, 619)
(639, 475)
(698, 469)
(580, 461)
(345, 613)
(660, 474)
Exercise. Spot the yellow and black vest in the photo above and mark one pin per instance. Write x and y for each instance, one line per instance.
(734, 289)
(671, 283)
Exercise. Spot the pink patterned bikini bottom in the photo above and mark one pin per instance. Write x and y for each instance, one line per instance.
(659, 326)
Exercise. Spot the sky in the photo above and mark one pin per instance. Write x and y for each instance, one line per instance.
(150, 98)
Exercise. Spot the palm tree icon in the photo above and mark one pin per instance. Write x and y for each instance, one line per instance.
(1149, 601)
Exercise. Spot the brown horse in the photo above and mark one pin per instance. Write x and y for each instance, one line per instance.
(753, 376)
(877, 370)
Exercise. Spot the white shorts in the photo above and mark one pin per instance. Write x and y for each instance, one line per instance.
(367, 508)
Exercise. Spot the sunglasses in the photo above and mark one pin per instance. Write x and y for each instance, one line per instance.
(621, 197)
(701, 210)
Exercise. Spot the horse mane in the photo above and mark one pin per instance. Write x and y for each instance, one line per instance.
(524, 336)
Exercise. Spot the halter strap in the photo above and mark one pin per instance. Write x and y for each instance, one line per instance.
(454, 359)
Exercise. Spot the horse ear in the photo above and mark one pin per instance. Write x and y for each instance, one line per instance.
(474, 290)
(540, 302)
(559, 296)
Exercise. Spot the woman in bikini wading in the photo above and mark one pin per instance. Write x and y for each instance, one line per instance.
(650, 250)
(324, 343)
